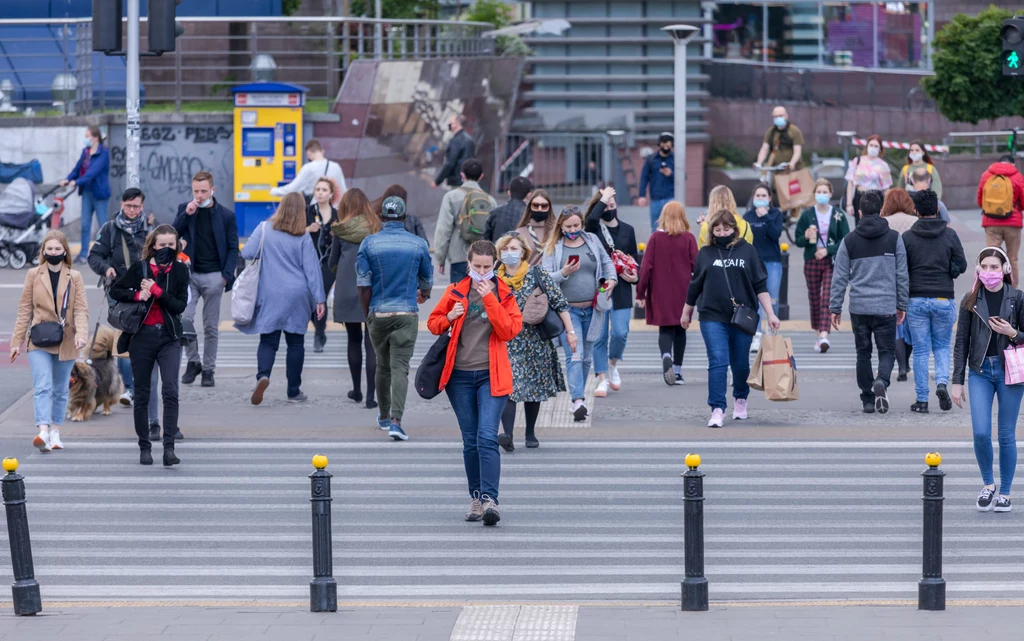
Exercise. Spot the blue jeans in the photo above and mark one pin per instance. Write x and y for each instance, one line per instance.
(727, 347)
(774, 283)
(930, 321)
(577, 366)
(89, 207)
(656, 206)
(478, 414)
(458, 271)
(619, 321)
(51, 381)
(981, 389)
(266, 353)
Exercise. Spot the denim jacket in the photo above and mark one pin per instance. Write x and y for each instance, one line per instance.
(394, 264)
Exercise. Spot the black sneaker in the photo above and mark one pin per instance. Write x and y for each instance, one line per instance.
(178, 435)
(145, 457)
(666, 370)
(505, 441)
(945, 402)
(679, 379)
(919, 407)
(191, 371)
(532, 442)
(207, 378)
(881, 397)
(318, 344)
(985, 500)
(869, 407)
(1002, 504)
(154, 431)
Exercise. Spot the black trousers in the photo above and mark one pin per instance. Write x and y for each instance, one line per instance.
(883, 329)
(672, 340)
(154, 346)
(320, 324)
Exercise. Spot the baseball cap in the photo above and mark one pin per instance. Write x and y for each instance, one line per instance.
(666, 137)
(393, 207)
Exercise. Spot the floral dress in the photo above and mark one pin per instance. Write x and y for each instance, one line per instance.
(536, 367)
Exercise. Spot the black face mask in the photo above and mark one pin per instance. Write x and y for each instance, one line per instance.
(539, 216)
(666, 151)
(609, 214)
(449, 126)
(55, 260)
(164, 256)
(723, 241)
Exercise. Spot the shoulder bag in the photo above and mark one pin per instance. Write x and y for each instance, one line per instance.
(128, 317)
(51, 333)
(428, 374)
(743, 317)
(243, 294)
(620, 259)
(536, 307)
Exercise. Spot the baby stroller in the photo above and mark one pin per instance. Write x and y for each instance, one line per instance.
(24, 220)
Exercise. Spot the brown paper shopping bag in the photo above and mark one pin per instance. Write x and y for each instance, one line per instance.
(795, 189)
(778, 368)
(755, 380)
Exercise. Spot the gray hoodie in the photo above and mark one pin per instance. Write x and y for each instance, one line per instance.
(872, 261)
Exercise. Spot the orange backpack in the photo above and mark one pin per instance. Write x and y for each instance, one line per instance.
(997, 197)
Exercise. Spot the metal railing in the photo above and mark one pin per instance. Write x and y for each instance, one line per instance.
(836, 86)
(570, 166)
(216, 54)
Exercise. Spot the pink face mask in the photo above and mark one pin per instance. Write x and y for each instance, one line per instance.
(990, 279)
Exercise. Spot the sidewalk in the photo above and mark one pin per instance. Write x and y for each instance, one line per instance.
(445, 622)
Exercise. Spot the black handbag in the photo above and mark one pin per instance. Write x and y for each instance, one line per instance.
(51, 333)
(743, 317)
(428, 374)
(128, 317)
(551, 327)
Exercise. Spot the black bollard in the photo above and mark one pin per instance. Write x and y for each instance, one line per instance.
(25, 589)
(323, 591)
(695, 585)
(931, 589)
(784, 287)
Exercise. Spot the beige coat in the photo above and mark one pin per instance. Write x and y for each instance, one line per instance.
(900, 222)
(36, 307)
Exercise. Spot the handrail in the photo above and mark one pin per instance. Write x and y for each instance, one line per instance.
(267, 19)
(817, 67)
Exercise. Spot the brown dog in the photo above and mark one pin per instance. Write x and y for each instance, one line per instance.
(94, 383)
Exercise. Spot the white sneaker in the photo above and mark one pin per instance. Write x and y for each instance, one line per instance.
(42, 441)
(602, 389)
(54, 442)
(127, 398)
(755, 344)
(823, 345)
(817, 346)
(613, 378)
(717, 418)
(739, 409)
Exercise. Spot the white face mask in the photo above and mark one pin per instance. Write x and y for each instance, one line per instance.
(874, 151)
(206, 203)
(475, 277)
(916, 156)
(511, 259)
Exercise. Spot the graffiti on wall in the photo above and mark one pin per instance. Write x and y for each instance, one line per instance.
(169, 156)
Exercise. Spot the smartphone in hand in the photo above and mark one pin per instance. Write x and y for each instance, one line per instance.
(573, 260)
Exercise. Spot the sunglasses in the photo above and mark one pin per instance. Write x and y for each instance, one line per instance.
(540, 206)
(513, 234)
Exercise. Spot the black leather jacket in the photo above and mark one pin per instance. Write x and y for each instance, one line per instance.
(973, 332)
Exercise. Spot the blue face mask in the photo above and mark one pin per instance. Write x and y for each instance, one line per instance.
(761, 203)
(572, 235)
(206, 203)
(779, 121)
(87, 142)
(822, 199)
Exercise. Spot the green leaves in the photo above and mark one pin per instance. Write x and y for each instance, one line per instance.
(968, 85)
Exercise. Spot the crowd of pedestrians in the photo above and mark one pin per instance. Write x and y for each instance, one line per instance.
(525, 279)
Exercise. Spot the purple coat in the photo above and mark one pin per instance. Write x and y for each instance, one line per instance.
(665, 276)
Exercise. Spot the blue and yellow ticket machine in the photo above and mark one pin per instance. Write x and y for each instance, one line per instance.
(268, 147)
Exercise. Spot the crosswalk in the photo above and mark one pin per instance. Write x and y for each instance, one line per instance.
(581, 522)
(642, 355)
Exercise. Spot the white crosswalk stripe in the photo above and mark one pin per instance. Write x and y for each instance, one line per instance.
(581, 521)
(642, 355)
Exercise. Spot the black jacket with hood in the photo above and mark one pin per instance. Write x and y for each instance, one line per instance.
(973, 332)
(935, 257)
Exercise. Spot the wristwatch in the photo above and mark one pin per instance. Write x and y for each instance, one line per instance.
(571, 331)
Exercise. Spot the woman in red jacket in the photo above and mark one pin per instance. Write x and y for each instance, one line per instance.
(482, 314)
(664, 278)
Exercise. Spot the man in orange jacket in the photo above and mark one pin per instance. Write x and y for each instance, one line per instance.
(1002, 228)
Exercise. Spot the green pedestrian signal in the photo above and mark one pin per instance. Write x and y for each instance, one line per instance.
(1013, 60)
(1012, 35)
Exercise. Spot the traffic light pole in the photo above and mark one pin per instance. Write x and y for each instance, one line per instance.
(132, 126)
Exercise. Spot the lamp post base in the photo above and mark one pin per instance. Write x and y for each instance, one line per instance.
(323, 595)
(931, 594)
(695, 594)
(26, 597)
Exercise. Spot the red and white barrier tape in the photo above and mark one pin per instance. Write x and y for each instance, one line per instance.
(515, 154)
(889, 144)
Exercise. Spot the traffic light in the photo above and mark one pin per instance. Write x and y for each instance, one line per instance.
(163, 28)
(106, 25)
(1013, 46)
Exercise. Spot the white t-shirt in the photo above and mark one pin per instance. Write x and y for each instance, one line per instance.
(309, 174)
(823, 222)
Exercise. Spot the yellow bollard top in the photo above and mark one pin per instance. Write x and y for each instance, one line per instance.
(10, 464)
(319, 461)
(784, 247)
(693, 461)
(933, 459)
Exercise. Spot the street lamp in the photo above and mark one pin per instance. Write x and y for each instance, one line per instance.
(681, 35)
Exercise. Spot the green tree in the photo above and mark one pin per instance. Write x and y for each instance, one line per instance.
(500, 15)
(968, 85)
(397, 9)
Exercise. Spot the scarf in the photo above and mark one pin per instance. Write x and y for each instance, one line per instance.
(130, 227)
(515, 281)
